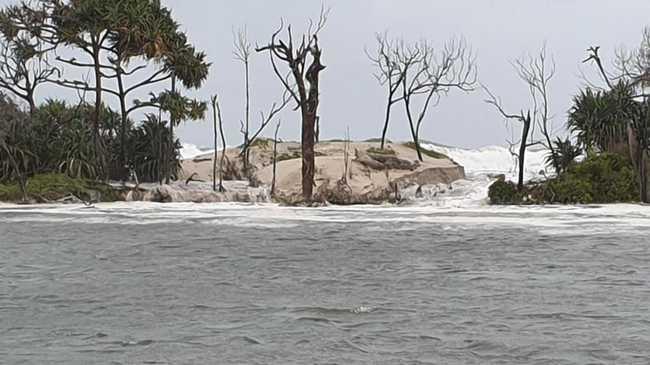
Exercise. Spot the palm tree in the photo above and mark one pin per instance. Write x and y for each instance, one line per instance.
(600, 119)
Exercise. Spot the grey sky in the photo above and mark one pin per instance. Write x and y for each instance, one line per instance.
(498, 30)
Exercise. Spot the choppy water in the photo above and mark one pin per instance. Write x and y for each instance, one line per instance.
(228, 284)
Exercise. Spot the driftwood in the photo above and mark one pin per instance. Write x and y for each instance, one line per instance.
(364, 159)
(384, 162)
(192, 179)
(395, 163)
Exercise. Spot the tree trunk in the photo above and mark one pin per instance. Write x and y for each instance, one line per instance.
(386, 121)
(123, 168)
(99, 151)
(414, 134)
(171, 147)
(308, 156)
(223, 153)
(275, 159)
(247, 125)
(216, 146)
(522, 152)
(32, 103)
(641, 171)
(309, 110)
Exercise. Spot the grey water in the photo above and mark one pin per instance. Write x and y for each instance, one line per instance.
(183, 284)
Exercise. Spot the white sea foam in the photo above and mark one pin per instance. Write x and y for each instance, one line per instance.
(481, 166)
(494, 160)
(189, 151)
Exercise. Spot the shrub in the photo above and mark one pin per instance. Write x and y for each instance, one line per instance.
(505, 193)
(52, 187)
(600, 179)
(604, 178)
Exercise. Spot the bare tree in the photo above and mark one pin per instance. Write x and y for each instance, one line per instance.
(216, 109)
(265, 120)
(346, 158)
(242, 52)
(432, 76)
(304, 63)
(537, 72)
(275, 158)
(634, 65)
(388, 73)
(525, 118)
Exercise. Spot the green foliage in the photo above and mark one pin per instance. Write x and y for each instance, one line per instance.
(505, 193)
(600, 179)
(426, 152)
(16, 157)
(52, 187)
(605, 178)
(600, 119)
(149, 152)
(564, 155)
(379, 151)
(179, 107)
(58, 138)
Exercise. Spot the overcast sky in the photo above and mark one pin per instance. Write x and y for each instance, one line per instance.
(498, 30)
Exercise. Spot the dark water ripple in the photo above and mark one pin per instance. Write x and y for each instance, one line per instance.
(245, 285)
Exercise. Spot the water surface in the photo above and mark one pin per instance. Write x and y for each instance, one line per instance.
(233, 284)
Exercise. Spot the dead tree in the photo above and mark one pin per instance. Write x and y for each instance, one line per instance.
(526, 120)
(537, 72)
(388, 73)
(304, 63)
(242, 52)
(265, 120)
(431, 76)
(275, 158)
(216, 109)
(346, 158)
(216, 142)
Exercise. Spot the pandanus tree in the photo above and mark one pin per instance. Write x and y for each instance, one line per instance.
(24, 63)
(626, 104)
(305, 66)
(26, 41)
(599, 119)
(120, 40)
(147, 33)
(179, 108)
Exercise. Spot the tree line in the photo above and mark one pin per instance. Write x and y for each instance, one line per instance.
(124, 48)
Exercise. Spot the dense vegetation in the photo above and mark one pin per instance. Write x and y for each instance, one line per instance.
(128, 47)
(601, 178)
